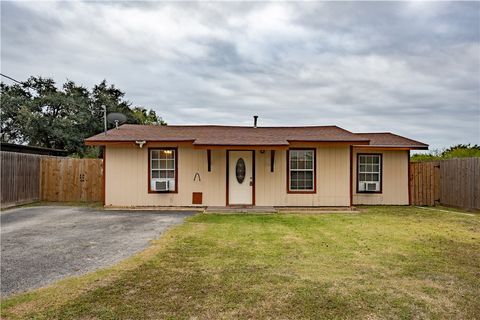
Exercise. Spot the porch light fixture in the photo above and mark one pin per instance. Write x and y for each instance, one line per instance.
(140, 143)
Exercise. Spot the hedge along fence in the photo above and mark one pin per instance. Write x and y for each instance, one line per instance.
(453, 182)
(27, 178)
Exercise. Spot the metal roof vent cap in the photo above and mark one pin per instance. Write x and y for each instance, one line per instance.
(255, 119)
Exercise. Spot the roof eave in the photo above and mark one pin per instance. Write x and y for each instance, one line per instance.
(397, 147)
(117, 142)
(239, 146)
(363, 141)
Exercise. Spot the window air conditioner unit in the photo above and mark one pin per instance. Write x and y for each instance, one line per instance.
(163, 184)
(369, 186)
(372, 186)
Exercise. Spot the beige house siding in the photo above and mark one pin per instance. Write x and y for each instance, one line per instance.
(126, 178)
(394, 179)
(332, 178)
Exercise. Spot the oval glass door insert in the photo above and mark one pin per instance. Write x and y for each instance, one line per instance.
(240, 170)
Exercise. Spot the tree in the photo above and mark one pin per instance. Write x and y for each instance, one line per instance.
(13, 100)
(40, 114)
(147, 117)
(457, 151)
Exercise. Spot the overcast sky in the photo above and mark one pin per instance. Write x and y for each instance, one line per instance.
(411, 68)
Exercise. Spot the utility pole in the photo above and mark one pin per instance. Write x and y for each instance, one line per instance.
(104, 118)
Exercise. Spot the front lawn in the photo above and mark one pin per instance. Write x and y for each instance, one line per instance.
(385, 262)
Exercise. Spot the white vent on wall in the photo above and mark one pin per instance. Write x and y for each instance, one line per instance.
(163, 184)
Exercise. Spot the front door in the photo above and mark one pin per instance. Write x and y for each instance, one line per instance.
(240, 178)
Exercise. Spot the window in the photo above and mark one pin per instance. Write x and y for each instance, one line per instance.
(369, 173)
(301, 170)
(240, 170)
(163, 170)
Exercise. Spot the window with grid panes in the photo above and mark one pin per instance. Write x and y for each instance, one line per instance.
(162, 169)
(369, 172)
(301, 170)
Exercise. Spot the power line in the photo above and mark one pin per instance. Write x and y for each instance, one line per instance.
(1, 74)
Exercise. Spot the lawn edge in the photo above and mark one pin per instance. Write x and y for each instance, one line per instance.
(67, 289)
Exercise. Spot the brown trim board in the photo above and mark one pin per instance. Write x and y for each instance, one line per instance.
(351, 176)
(104, 173)
(408, 180)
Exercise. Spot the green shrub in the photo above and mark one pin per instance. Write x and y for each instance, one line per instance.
(457, 151)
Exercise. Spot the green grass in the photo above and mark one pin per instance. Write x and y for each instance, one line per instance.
(381, 263)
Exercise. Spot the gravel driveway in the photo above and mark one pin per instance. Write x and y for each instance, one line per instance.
(43, 244)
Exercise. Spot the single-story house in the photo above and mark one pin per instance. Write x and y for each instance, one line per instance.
(209, 165)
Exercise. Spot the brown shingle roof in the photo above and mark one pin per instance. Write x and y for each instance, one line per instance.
(387, 139)
(248, 136)
(227, 135)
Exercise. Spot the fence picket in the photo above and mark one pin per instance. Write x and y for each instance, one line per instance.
(20, 175)
(27, 178)
(456, 183)
(70, 179)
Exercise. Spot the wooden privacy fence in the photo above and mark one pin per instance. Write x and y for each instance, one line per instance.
(460, 183)
(424, 183)
(20, 178)
(453, 182)
(70, 179)
(27, 178)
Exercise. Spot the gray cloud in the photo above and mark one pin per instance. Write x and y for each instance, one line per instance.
(412, 68)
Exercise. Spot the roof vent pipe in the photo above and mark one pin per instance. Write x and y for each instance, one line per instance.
(255, 118)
